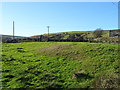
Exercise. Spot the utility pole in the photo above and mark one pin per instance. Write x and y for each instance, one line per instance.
(48, 32)
(13, 30)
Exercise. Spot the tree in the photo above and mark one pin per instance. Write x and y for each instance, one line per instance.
(71, 37)
(98, 33)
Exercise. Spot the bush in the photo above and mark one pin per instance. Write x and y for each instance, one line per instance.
(98, 33)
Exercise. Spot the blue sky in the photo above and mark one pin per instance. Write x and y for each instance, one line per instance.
(31, 18)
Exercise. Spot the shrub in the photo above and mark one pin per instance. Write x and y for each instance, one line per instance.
(98, 33)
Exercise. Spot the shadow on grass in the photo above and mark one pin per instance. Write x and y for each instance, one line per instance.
(82, 76)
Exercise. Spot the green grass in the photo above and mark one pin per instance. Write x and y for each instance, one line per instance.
(54, 64)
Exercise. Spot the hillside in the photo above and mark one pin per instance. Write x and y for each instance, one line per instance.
(60, 65)
(9, 36)
(105, 36)
(83, 36)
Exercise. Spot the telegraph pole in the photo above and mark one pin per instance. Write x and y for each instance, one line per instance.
(13, 30)
(48, 32)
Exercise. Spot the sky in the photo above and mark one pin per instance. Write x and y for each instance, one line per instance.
(32, 18)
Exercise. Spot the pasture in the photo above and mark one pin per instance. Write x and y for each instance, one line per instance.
(59, 65)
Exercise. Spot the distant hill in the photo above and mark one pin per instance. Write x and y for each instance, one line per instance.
(106, 35)
(85, 33)
(9, 36)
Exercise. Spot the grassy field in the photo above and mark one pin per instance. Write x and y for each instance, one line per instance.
(59, 65)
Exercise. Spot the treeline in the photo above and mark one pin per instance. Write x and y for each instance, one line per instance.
(49, 39)
(95, 36)
(43, 39)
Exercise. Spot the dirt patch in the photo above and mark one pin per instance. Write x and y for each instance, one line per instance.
(55, 47)
(58, 49)
(67, 50)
